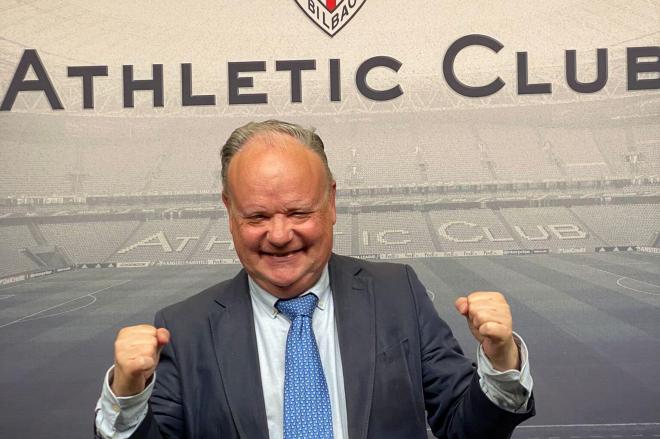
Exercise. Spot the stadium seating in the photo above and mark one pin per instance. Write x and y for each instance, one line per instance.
(163, 240)
(634, 224)
(647, 142)
(217, 243)
(613, 146)
(74, 157)
(187, 168)
(14, 239)
(576, 152)
(451, 154)
(393, 233)
(343, 235)
(119, 168)
(363, 156)
(517, 154)
(550, 227)
(465, 229)
(34, 168)
(86, 242)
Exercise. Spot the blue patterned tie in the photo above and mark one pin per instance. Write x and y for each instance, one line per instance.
(307, 413)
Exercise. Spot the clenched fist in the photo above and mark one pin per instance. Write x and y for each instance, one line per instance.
(137, 350)
(489, 319)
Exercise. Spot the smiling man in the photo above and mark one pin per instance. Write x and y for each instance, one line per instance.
(303, 343)
(280, 198)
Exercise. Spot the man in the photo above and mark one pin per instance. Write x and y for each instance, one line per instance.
(365, 359)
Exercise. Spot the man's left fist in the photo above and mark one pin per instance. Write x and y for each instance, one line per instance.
(489, 318)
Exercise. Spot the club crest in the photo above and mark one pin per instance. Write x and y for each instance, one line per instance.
(330, 15)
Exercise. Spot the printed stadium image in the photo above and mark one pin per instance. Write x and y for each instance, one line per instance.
(554, 201)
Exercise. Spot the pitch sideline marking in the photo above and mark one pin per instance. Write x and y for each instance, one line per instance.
(25, 318)
(6, 296)
(635, 289)
(66, 311)
(626, 277)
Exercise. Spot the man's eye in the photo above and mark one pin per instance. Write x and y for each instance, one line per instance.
(300, 214)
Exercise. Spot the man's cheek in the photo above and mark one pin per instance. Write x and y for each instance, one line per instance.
(249, 237)
(312, 229)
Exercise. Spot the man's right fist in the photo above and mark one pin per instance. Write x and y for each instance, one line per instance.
(137, 350)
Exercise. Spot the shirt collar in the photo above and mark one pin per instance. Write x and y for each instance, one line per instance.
(266, 301)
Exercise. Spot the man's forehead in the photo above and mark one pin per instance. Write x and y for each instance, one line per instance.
(271, 152)
(270, 155)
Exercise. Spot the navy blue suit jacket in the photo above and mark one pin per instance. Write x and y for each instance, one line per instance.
(399, 360)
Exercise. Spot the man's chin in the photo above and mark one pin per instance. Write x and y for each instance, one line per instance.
(286, 287)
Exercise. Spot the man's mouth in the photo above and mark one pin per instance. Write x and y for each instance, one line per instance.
(283, 255)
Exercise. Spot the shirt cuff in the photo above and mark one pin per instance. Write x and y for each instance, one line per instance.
(118, 417)
(511, 389)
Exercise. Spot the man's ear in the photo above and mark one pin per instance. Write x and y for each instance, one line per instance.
(332, 201)
(226, 200)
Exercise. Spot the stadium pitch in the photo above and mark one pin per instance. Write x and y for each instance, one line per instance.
(591, 321)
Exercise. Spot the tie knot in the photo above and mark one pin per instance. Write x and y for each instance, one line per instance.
(298, 306)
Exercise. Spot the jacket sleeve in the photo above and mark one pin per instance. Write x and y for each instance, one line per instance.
(165, 417)
(456, 406)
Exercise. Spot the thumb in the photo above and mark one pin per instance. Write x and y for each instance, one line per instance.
(163, 337)
(461, 305)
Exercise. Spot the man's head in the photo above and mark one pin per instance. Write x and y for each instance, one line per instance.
(280, 197)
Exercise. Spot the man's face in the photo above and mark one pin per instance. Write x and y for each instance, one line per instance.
(281, 213)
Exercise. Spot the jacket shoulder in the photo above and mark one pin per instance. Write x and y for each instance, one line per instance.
(199, 304)
(377, 269)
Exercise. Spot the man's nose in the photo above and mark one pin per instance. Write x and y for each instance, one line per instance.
(280, 232)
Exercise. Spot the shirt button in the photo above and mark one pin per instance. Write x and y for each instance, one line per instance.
(116, 408)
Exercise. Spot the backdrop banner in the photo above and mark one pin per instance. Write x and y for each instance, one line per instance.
(493, 146)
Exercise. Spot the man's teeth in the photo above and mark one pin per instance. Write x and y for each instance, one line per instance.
(282, 255)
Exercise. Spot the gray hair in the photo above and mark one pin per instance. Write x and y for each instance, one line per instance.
(241, 135)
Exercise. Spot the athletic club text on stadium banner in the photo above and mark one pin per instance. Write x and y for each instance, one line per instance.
(639, 60)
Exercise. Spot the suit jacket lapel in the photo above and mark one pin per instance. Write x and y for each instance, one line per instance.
(354, 313)
(235, 343)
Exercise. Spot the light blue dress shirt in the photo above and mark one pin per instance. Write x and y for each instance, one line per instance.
(118, 417)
